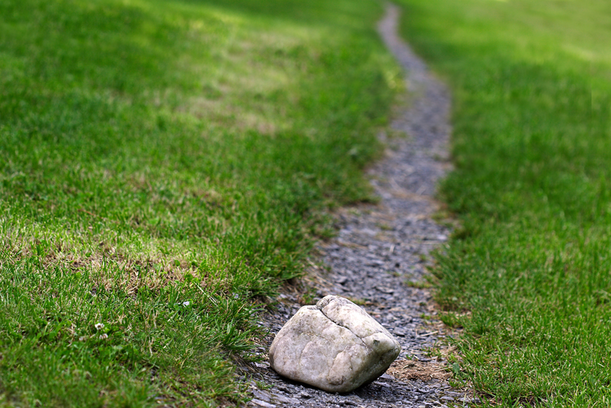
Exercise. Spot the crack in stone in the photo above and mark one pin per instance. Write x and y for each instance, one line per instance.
(341, 325)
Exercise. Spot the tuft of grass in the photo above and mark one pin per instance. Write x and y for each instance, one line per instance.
(359, 301)
(164, 164)
(532, 190)
(422, 284)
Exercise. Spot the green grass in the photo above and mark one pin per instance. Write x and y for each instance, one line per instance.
(532, 189)
(164, 164)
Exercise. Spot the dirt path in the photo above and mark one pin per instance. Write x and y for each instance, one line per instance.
(381, 248)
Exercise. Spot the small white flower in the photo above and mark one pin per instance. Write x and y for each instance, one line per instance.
(82, 338)
(103, 336)
(186, 303)
(99, 326)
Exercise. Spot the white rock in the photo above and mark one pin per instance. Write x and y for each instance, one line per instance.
(335, 346)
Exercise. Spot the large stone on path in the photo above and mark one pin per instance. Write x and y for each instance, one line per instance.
(335, 346)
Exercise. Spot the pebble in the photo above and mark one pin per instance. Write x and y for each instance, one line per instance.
(381, 247)
(258, 403)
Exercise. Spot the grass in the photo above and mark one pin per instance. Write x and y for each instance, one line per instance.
(164, 166)
(532, 189)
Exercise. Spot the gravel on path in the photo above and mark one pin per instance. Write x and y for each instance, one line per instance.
(379, 250)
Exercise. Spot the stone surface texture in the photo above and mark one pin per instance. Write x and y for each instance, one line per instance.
(380, 257)
(335, 346)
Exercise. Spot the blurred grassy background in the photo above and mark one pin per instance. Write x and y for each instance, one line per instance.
(532, 190)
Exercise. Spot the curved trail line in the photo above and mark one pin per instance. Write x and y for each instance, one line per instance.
(382, 247)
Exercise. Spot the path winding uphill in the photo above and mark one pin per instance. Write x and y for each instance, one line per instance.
(380, 248)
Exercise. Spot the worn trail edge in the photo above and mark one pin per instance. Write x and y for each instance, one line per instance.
(380, 249)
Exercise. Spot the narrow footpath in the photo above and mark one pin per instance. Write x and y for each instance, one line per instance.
(380, 249)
